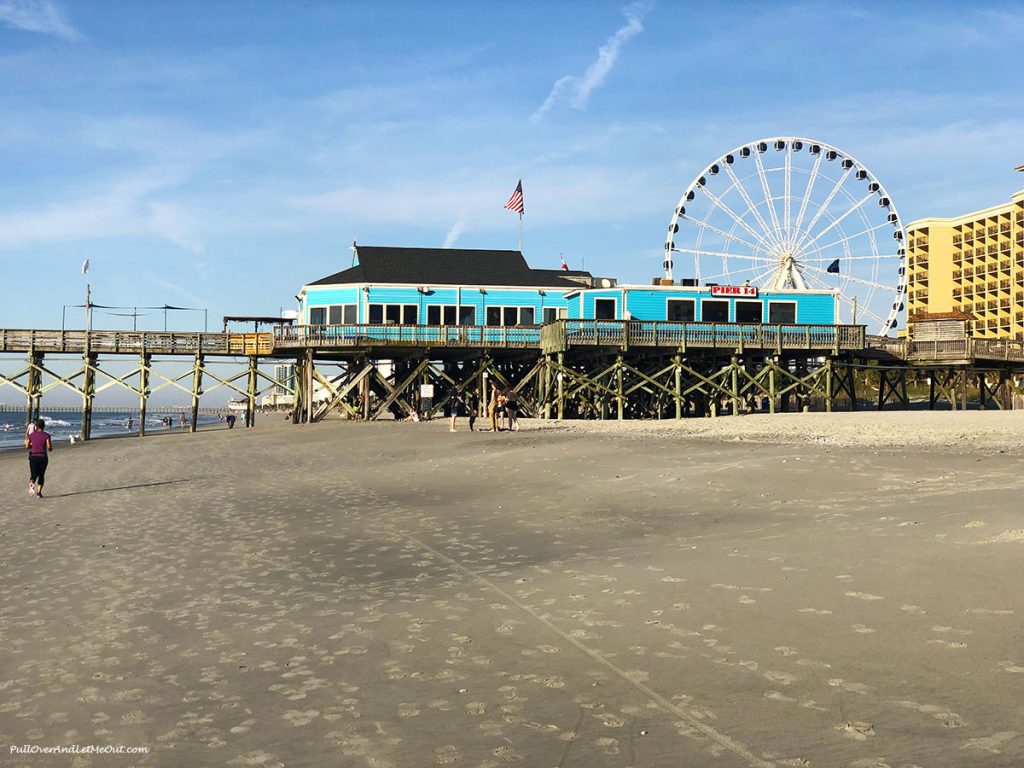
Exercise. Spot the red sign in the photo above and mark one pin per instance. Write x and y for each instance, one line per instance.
(734, 290)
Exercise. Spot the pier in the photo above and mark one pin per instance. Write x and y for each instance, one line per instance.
(563, 369)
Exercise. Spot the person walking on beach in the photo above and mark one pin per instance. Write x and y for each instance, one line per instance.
(512, 409)
(492, 408)
(184, 422)
(454, 404)
(472, 402)
(128, 424)
(39, 446)
(230, 419)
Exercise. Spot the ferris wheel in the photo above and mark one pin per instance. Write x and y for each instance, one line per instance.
(794, 213)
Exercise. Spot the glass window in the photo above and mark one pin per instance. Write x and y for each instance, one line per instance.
(550, 314)
(714, 311)
(410, 314)
(433, 315)
(449, 315)
(494, 315)
(317, 315)
(351, 314)
(376, 314)
(467, 315)
(393, 314)
(526, 315)
(604, 309)
(749, 312)
(509, 315)
(682, 310)
(334, 315)
(783, 312)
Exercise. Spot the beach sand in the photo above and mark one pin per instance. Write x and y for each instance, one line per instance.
(796, 590)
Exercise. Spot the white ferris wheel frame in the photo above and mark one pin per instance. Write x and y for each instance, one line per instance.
(778, 248)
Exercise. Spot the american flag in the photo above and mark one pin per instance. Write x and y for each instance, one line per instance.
(515, 203)
(564, 265)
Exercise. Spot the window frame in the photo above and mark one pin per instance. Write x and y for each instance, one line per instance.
(760, 315)
(704, 319)
(793, 303)
(615, 307)
(693, 310)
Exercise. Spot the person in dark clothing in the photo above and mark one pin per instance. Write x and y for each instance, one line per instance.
(472, 401)
(39, 446)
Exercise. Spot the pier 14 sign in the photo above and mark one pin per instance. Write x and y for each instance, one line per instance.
(734, 290)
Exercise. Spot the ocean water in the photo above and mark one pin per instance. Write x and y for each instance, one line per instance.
(63, 426)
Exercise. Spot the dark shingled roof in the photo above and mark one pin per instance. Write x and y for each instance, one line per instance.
(446, 266)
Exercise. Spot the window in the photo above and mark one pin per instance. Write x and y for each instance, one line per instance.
(604, 309)
(341, 313)
(467, 315)
(682, 310)
(749, 312)
(554, 313)
(394, 314)
(438, 314)
(509, 315)
(714, 311)
(783, 312)
(317, 315)
(351, 314)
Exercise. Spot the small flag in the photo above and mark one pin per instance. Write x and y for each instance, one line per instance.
(833, 267)
(515, 203)
(564, 265)
(85, 267)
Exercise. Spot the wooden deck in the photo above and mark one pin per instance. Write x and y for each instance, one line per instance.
(965, 351)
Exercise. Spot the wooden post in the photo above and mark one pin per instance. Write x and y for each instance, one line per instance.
(88, 392)
(619, 399)
(547, 386)
(735, 385)
(308, 387)
(772, 384)
(197, 390)
(931, 390)
(561, 391)
(144, 363)
(250, 402)
(678, 379)
(364, 390)
(34, 386)
(963, 390)
(828, 385)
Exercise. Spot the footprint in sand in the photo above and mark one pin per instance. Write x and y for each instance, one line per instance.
(991, 743)
(860, 629)
(864, 596)
(858, 688)
(976, 524)
(917, 610)
(816, 611)
(1009, 666)
(857, 730)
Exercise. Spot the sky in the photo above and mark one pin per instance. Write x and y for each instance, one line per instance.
(220, 155)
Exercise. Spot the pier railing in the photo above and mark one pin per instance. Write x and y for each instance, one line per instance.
(124, 342)
(457, 336)
(562, 334)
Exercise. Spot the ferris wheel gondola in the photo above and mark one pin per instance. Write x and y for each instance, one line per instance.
(796, 213)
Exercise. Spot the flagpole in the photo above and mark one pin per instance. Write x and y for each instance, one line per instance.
(88, 308)
(520, 233)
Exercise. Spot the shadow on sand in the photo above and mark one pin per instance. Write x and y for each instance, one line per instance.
(117, 488)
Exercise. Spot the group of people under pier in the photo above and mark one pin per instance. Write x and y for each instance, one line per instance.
(502, 408)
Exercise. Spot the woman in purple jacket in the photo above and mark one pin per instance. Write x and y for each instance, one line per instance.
(39, 446)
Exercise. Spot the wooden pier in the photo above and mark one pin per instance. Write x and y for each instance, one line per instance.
(564, 369)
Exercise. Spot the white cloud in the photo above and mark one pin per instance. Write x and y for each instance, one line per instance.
(453, 234)
(43, 16)
(577, 90)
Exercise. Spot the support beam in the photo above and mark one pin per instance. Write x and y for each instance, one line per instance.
(145, 360)
(197, 390)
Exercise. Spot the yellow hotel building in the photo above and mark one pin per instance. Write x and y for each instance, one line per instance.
(972, 263)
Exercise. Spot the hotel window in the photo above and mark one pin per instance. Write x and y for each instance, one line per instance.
(782, 312)
(714, 311)
(551, 314)
(393, 314)
(749, 311)
(682, 310)
(604, 309)
(341, 314)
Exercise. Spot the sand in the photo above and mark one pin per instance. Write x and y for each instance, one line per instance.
(796, 591)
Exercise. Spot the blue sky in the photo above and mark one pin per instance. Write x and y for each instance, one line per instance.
(219, 155)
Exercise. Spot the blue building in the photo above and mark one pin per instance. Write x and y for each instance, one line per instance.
(703, 304)
(439, 287)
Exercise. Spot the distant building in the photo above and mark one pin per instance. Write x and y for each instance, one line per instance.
(971, 264)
